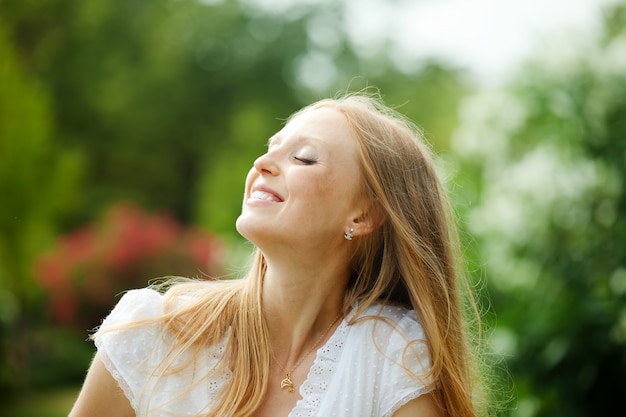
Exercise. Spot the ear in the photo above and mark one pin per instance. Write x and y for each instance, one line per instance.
(368, 220)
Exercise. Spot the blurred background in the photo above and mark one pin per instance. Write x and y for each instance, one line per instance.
(127, 128)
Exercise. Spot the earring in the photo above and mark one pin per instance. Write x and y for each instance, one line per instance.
(348, 235)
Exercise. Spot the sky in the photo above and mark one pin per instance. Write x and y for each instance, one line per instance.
(489, 38)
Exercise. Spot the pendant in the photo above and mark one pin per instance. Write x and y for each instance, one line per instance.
(288, 384)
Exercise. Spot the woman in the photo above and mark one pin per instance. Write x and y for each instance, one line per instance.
(350, 308)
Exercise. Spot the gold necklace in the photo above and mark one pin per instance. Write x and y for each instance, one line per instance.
(287, 382)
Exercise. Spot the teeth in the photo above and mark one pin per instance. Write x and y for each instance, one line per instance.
(262, 195)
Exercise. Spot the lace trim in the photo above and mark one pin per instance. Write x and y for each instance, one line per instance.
(315, 386)
(409, 397)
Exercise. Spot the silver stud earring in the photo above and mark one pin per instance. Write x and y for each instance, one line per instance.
(348, 235)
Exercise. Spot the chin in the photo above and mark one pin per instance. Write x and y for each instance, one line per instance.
(247, 227)
(257, 232)
(240, 225)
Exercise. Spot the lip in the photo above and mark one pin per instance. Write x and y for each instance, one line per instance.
(264, 195)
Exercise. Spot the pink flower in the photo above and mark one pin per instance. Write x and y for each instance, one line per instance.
(64, 307)
(204, 248)
(124, 249)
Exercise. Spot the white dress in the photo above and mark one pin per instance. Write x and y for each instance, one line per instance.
(357, 373)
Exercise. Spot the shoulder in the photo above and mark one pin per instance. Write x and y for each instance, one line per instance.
(386, 356)
(137, 348)
(145, 304)
(141, 301)
(140, 304)
(393, 337)
(135, 317)
(391, 323)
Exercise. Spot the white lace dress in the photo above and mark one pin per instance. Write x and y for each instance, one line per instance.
(359, 372)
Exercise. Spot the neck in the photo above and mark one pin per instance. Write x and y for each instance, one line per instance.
(300, 304)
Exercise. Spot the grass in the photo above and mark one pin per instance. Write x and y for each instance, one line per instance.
(52, 403)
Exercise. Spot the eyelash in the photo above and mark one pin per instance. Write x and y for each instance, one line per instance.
(304, 160)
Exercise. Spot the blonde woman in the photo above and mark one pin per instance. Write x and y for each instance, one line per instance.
(352, 306)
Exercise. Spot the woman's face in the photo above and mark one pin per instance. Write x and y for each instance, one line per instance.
(306, 187)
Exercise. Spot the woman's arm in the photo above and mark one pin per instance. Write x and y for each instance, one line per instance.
(101, 396)
(423, 406)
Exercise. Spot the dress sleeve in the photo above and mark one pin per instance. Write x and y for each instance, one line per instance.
(128, 352)
(406, 365)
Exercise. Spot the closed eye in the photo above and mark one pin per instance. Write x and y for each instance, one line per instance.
(305, 161)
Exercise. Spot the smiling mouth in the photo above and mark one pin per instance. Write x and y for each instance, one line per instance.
(265, 196)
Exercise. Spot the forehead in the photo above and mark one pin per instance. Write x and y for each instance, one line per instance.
(324, 125)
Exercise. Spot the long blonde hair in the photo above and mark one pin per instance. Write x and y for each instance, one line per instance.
(412, 259)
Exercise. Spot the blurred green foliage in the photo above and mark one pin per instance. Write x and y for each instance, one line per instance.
(54, 403)
(38, 183)
(38, 180)
(546, 204)
(168, 102)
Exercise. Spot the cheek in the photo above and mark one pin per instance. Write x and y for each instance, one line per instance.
(320, 186)
(345, 183)
(337, 191)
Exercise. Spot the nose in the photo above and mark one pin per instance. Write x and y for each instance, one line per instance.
(265, 164)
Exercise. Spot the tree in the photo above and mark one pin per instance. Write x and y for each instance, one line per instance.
(547, 215)
(38, 183)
